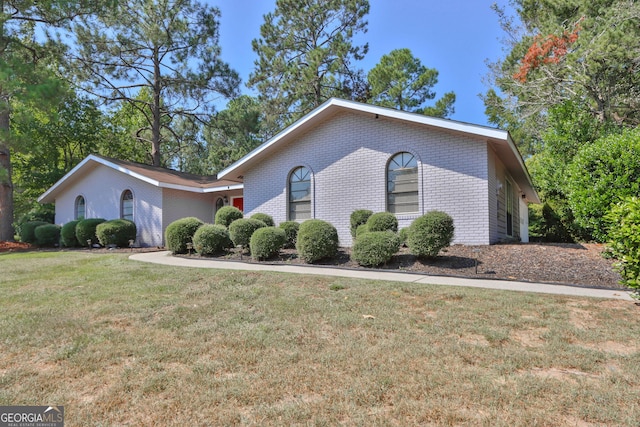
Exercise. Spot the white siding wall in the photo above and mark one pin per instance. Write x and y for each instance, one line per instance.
(348, 155)
(180, 204)
(102, 188)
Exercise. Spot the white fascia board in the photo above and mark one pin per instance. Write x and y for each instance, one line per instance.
(201, 190)
(446, 124)
(224, 188)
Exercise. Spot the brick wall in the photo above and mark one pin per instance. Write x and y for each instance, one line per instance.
(348, 155)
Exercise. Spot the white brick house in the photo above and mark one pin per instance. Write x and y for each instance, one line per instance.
(345, 156)
(153, 197)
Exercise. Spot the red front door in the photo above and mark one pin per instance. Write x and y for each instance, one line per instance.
(238, 202)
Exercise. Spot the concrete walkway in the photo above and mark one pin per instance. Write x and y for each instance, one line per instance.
(166, 259)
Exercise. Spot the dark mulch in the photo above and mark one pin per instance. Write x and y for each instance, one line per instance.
(576, 264)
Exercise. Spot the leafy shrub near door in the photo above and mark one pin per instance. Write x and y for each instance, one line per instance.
(267, 219)
(242, 229)
(86, 230)
(211, 239)
(291, 232)
(116, 232)
(430, 233)
(267, 242)
(375, 248)
(317, 239)
(180, 232)
(227, 214)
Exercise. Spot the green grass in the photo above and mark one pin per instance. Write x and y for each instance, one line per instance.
(124, 343)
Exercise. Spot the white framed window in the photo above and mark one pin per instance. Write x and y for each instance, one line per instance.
(402, 184)
(126, 205)
(300, 194)
(79, 209)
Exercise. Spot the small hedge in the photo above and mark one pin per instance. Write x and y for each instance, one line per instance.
(68, 234)
(116, 232)
(86, 230)
(227, 214)
(624, 241)
(47, 235)
(291, 233)
(430, 233)
(267, 219)
(242, 229)
(362, 229)
(359, 217)
(180, 232)
(317, 239)
(404, 235)
(375, 248)
(383, 221)
(211, 239)
(27, 231)
(267, 242)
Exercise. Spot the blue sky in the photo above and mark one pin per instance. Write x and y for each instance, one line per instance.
(456, 37)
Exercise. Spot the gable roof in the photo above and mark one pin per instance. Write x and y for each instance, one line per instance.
(154, 175)
(500, 140)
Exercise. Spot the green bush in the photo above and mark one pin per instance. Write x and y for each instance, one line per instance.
(317, 239)
(211, 239)
(624, 238)
(116, 232)
(180, 232)
(86, 230)
(267, 242)
(430, 233)
(47, 235)
(545, 225)
(404, 235)
(27, 231)
(291, 232)
(375, 248)
(227, 214)
(242, 229)
(68, 234)
(359, 217)
(362, 229)
(267, 219)
(600, 175)
(383, 221)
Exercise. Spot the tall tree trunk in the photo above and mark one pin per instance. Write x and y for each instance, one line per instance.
(155, 111)
(6, 184)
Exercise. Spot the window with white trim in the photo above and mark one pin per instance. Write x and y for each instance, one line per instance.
(300, 194)
(126, 205)
(79, 209)
(402, 184)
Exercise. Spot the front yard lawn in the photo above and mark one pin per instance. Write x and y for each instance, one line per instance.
(124, 343)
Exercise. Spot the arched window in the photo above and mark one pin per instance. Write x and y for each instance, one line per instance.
(79, 208)
(402, 184)
(126, 205)
(300, 194)
(219, 203)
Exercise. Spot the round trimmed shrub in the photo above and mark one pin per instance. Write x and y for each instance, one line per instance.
(383, 221)
(180, 232)
(227, 214)
(242, 229)
(404, 235)
(317, 239)
(68, 234)
(86, 230)
(267, 242)
(291, 232)
(362, 229)
(357, 218)
(211, 239)
(116, 232)
(47, 234)
(267, 219)
(430, 233)
(375, 248)
(27, 231)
